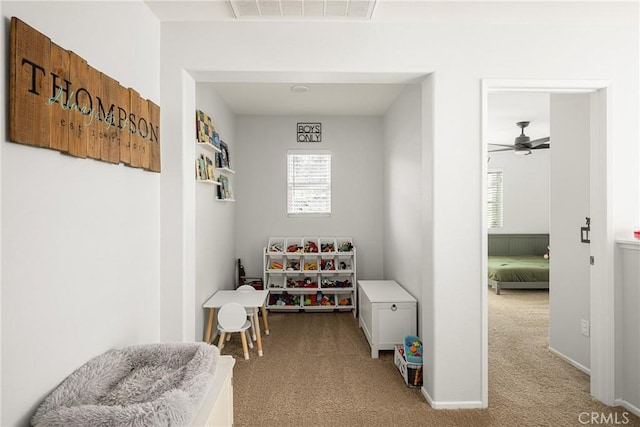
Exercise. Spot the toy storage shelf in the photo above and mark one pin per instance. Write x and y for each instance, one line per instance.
(310, 274)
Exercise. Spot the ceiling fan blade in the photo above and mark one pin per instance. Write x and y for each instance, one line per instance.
(541, 146)
(504, 145)
(501, 149)
(536, 142)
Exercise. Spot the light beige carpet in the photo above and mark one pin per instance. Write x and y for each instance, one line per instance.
(317, 371)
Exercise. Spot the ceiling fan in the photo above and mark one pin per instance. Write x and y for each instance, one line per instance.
(523, 144)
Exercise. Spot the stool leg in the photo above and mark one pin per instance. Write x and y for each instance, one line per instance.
(221, 341)
(244, 345)
(259, 339)
(253, 326)
(264, 319)
(249, 338)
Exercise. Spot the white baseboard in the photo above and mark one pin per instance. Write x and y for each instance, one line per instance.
(450, 405)
(570, 361)
(626, 405)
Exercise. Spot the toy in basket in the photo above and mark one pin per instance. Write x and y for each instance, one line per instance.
(412, 373)
(413, 349)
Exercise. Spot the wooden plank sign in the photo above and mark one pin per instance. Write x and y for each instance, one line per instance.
(89, 110)
(30, 60)
(142, 126)
(154, 137)
(136, 140)
(110, 142)
(78, 136)
(57, 100)
(122, 121)
(60, 73)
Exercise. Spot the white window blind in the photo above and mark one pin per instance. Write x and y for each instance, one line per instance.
(309, 182)
(494, 205)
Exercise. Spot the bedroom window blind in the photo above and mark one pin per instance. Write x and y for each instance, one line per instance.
(494, 199)
(309, 182)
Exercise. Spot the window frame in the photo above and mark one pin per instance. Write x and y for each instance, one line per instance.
(490, 216)
(299, 152)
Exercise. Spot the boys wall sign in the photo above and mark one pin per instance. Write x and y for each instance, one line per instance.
(309, 132)
(58, 101)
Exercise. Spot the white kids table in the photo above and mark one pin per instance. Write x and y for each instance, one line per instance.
(253, 299)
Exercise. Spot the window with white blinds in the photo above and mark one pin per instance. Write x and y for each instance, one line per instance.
(494, 202)
(309, 182)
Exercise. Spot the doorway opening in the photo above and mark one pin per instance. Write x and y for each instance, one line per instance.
(601, 272)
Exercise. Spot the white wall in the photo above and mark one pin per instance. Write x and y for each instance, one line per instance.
(80, 242)
(215, 220)
(598, 41)
(357, 186)
(525, 178)
(403, 255)
(569, 291)
(628, 325)
(427, 302)
(3, 131)
(525, 192)
(508, 40)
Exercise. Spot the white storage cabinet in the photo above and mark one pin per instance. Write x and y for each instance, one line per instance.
(387, 313)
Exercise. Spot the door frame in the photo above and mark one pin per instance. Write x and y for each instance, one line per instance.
(602, 301)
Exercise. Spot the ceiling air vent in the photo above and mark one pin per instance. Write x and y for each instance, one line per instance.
(303, 9)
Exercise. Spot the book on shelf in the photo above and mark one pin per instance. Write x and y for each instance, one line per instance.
(198, 169)
(204, 168)
(205, 130)
(224, 155)
(215, 139)
(224, 190)
(209, 166)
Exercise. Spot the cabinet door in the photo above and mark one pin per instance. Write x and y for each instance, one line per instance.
(395, 320)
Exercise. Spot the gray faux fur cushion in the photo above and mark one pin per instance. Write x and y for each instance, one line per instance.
(144, 385)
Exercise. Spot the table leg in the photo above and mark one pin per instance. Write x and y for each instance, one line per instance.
(264, 319)
(207, 337)
(259, 339)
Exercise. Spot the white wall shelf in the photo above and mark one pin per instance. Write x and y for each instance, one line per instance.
(208, 146)
(214, 170)
(208, 181)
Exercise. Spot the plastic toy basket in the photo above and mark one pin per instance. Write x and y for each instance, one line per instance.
(412, 373)
(413, 349)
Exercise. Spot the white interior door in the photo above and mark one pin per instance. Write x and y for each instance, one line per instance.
(569, 293)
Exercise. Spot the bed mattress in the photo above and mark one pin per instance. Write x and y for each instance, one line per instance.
(523, 268)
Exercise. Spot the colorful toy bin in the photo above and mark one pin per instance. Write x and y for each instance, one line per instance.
(408, 359)
(413, 349)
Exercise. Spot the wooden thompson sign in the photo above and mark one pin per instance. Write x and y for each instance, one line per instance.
(59, 101)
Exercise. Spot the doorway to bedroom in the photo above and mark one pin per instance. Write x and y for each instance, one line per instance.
(555, 197)
(518, 211)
